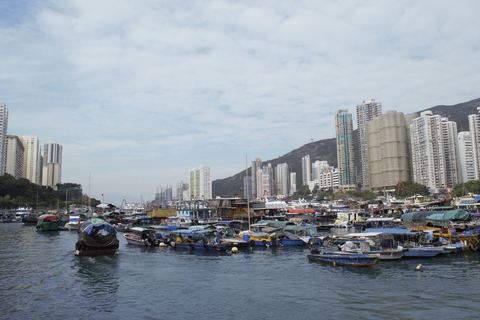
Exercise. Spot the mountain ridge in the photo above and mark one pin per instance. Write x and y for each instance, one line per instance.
(325, 149)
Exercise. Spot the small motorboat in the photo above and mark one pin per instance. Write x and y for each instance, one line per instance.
(146, 238)
(344, 258)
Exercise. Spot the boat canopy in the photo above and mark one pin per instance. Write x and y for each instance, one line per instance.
(48, 217)
(93, 226)
(379, 219)
(274, 223)
(138, 217)
(438, 215)
(363, 234)
(400, 231)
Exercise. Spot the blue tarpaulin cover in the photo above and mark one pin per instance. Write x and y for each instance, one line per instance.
(93, 226)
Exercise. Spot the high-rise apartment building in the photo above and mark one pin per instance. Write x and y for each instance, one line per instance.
(181, 187)
(434, 151)
(15, 151)
(306, 170)
(52, 164)
(293, 183)
(247, 187)
(281, 178)
(267, 181)
(389, 149)
(319, 167)
(256, 179)
(368, 110)
(327, 179)
(345, 151)
(32, 159)
(474, 126)
(466, 164)
(3, 137)
(200, 183)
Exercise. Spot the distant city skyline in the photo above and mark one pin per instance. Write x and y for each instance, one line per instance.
(139, 94)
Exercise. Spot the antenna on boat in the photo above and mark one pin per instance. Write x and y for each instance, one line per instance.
(246, 182)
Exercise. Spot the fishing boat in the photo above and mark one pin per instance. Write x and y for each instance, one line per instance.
(344, 258)
(307, 234)
(21, 213)
(30, 220)
(424, 251)
(196, 239)
(373, 242)
(96, 237)
(145, 238)
(74, 221)
(286, 238)
(48, 222)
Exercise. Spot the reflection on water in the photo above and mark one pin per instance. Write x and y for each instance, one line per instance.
(99, 281)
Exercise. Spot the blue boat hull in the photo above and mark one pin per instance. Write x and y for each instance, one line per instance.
(219, 247)
(346, 259)
(264, 243)
(292, 242)
(421, 253)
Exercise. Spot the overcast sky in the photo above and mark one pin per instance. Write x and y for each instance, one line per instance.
(139, 92)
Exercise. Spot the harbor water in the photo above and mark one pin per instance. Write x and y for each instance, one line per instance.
(41, 278)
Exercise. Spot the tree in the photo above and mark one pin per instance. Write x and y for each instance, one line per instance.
(303, 192)
(462, 189)
(411, 188)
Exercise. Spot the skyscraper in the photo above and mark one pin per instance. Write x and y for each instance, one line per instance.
(389, 149)
(366, 111)
(318, 167)
(15, 153)
(345, 151)
(200, 183)
(306, 170)
(181, 187)
(281, 177)
(32, 159)
(3, 137)
(52, 164)
(474, 126)
(267, 181)
(466, 164)
(434, 151)
(256, 180)
(293, 183)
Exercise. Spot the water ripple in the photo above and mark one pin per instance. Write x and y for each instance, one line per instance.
(42, 279)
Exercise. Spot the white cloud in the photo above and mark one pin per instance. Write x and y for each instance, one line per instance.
(139, 92)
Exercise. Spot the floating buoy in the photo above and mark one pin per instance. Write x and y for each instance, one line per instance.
(417, 268)
(162, 244)
(234, 250)
(334, 263)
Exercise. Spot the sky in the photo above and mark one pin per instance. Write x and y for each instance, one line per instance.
(139, 92)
